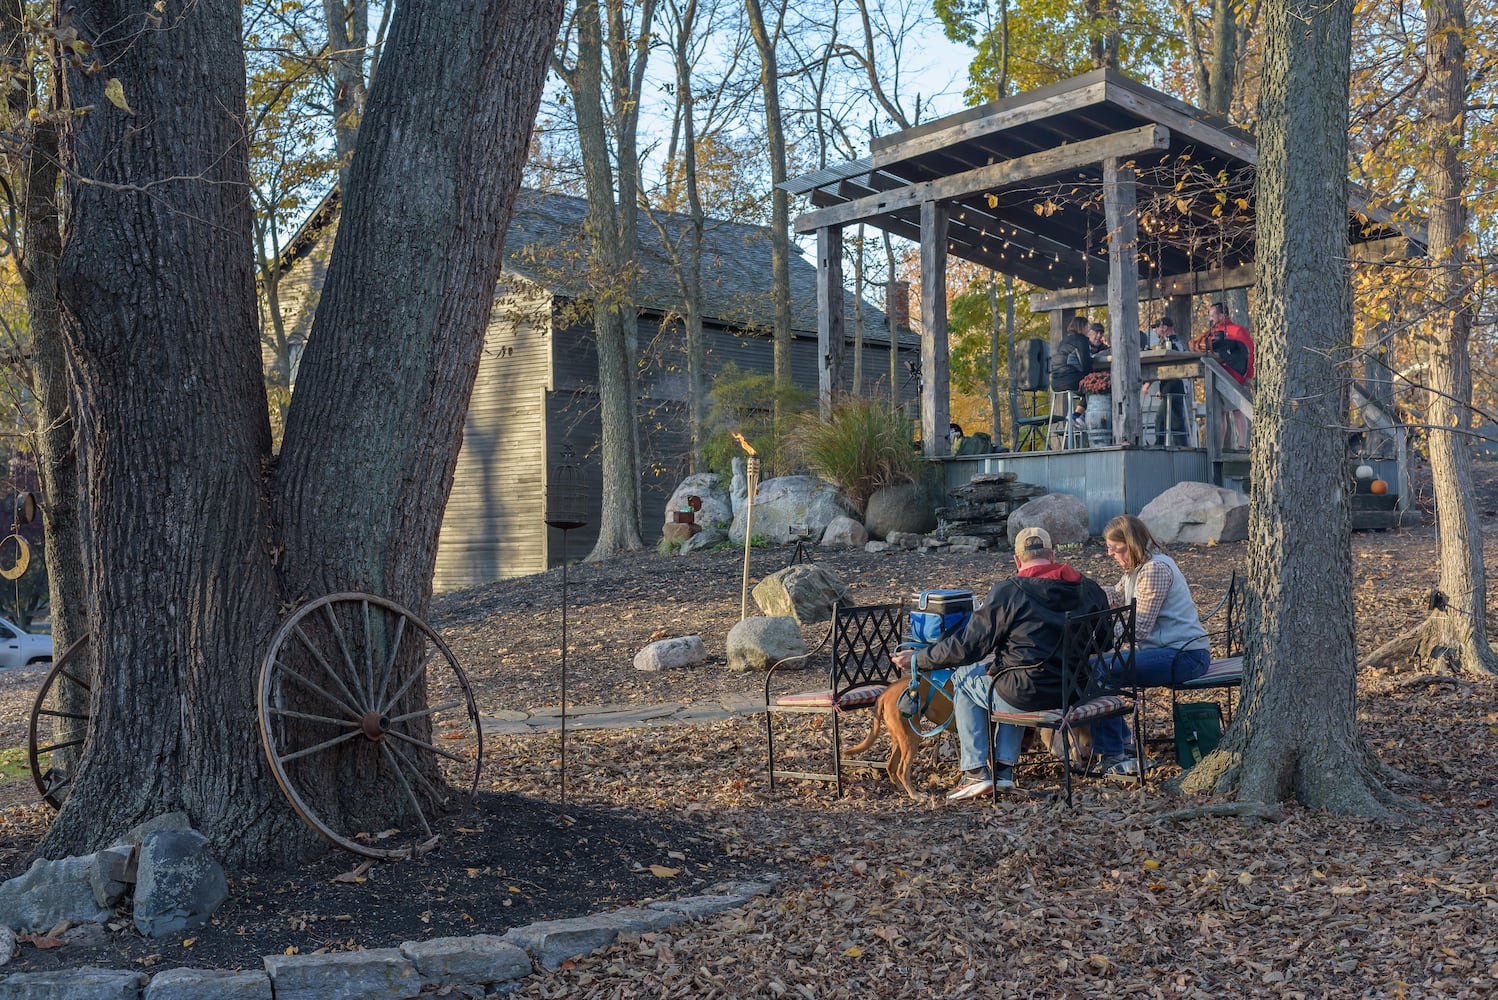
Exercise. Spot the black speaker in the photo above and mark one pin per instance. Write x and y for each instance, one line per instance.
(1032, 366)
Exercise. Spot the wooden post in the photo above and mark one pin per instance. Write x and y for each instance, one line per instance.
(1123, 298)
(935, 407)
(1178, 308)
(830, 334)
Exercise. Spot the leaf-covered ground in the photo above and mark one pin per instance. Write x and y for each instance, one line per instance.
(884, 896)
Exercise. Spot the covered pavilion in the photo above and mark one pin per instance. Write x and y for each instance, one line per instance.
(1097, 190)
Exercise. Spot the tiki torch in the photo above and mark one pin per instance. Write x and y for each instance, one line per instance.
(751, 482)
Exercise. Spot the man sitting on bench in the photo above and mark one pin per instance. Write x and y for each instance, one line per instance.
(1021, 624)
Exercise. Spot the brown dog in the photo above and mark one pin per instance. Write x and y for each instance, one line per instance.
(905, 743)
(903, 739)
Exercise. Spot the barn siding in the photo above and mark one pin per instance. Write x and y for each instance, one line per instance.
(493, 525)
(536, 390)
(572, 408)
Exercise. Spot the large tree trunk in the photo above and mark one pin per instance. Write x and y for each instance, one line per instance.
(1297, 734)
(1222, 76)
(612, 236)
(1456, 631)
(780, 204)
(690, 268)
(347, 24)
(33, 182)
(199, 539)
(1461, 625)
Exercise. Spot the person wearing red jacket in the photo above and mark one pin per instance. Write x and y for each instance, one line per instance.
(1237, 355)
(1222, 326)
(1021, 625)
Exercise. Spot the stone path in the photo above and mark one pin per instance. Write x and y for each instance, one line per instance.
(511, 723)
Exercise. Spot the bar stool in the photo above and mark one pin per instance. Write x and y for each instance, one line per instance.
(1071, 435)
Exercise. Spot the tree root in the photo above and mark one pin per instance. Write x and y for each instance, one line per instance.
(1429, 680)
(1397, 650)
(1392, 775)
(1268, 812)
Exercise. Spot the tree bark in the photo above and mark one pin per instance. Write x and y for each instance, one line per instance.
(33, 182)
(1222, 74)
(199, 539)
(1458, 625)
(347, 24)
(613, 235)
(780, 205)
(1297, 733)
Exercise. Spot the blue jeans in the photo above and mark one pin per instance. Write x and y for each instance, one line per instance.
(971, 687)
(1153, 668)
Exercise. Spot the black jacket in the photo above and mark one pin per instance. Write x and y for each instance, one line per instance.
(1021, 623)
(1072, 360)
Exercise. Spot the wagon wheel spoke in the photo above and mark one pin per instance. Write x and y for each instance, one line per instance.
(60, 746)
(423, 712)
(318, 748)
(426, 783)
(406, 786)
(54, 714)
(286, 713)
(348, 659)
(353, 710)
(74, 677)
(322, 662)
(59, 725)
(416, 675)
(395, 648)
(356, 692)
(456, 758)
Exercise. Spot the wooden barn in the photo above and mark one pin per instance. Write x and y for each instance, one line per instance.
(536, 391)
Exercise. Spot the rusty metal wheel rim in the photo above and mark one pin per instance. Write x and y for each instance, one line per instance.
(356, 693)
(54, 783)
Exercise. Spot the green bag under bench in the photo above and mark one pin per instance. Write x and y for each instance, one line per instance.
(1198, 727)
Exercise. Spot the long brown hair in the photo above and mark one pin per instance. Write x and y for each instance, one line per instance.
(1135, 536)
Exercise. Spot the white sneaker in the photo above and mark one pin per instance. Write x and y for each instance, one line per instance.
(971, 789)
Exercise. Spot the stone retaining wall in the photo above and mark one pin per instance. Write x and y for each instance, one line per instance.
(471, 966)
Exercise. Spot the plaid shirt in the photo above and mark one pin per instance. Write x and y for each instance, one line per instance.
(1151, 585)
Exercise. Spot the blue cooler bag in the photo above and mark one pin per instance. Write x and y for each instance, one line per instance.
(939, 613)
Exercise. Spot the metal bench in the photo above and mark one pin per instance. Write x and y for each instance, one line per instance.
(861, 644)
(1226, 669)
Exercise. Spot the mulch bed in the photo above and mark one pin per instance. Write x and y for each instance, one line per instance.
(509, 861)
(883, 895)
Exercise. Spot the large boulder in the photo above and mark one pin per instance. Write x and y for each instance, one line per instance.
(1062, 515)
(760, 643)
(845, 531)
(48, 893)
(791, 501)
(905, 508)
(707, 538)
(178, 883)
(671, 654)
(709, 488)
(806, 592)
(1197, 514)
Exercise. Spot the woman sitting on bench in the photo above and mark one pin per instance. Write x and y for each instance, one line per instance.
(1173, 646)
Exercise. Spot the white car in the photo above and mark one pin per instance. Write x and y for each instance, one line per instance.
(19, 648)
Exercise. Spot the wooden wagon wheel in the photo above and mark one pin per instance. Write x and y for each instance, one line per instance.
(361, 703)
(58, 727)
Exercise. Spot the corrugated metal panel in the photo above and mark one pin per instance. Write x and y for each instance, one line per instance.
(1110, 481)
(493, 526)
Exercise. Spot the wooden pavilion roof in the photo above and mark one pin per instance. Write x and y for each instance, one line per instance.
(1022, 179)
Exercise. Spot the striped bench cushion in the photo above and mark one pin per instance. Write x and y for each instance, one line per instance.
(1221, 673)
(1097, 708)
(859, 697)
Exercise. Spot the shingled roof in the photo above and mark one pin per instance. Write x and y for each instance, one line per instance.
(546, 238)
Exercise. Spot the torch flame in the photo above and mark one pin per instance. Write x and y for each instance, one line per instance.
(743, 443)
